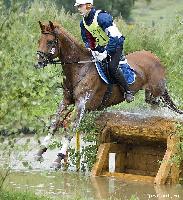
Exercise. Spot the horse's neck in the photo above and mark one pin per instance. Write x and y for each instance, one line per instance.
(71, 52)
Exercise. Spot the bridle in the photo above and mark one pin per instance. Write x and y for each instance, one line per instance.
(53, 45)
(48, 57)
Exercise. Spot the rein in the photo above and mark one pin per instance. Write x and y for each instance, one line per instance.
(58, 62)
(51, 61)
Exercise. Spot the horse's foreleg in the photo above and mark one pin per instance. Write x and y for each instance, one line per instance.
(43, 148)
(62, 154)
(52, 129)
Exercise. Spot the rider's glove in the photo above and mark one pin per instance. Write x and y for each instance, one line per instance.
(99, 56)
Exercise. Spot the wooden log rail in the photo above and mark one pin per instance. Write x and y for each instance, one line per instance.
(143, 147)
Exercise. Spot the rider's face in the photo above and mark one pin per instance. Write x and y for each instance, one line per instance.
(82, 8)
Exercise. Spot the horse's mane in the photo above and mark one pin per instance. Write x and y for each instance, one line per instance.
(67, 34)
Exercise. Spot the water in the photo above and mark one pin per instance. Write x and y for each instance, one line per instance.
(43, 181)
(70, 185)
(148, 112)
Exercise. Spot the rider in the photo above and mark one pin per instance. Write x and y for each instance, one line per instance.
(102, 37)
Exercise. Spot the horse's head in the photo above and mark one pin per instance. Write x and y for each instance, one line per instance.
(48, 47)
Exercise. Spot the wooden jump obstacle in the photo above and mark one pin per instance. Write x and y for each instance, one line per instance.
(143, 147)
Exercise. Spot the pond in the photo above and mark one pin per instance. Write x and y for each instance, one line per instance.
(70, 184)
(40, 179)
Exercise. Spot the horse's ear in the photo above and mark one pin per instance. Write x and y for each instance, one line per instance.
(51, 25)
(41, 26)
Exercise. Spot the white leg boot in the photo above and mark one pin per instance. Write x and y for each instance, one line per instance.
(62, 154)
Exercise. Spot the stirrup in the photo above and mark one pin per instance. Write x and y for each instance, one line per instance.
(129, 97)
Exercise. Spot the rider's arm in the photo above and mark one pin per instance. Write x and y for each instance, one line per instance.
(116, 39)
(83, 35)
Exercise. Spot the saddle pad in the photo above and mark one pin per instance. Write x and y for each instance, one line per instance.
(128, 72)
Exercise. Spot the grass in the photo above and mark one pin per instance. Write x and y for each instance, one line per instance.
(166, 46)
(16, 195)
(13, 195)
(158, 12)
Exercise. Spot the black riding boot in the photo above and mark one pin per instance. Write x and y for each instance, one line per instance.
(117, 74)
(122, 83)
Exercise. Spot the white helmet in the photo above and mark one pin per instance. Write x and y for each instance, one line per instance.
(79, 2)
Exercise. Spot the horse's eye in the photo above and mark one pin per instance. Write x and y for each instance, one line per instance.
(49, 43)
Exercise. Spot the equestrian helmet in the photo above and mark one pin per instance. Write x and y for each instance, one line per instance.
(80, 2)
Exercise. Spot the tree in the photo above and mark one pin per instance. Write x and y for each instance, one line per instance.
(148, 2)
(115, 7)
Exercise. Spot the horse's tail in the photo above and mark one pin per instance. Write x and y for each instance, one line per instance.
(169, 102)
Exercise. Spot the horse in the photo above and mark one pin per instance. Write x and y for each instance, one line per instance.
(82, 85)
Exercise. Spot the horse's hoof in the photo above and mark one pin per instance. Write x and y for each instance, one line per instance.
(129, 97)
(38, 158)
(56, 166)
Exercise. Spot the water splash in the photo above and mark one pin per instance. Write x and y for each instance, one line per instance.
(148, 112)
(82, 108)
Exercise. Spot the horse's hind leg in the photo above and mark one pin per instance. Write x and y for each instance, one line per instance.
(151, 99)
(147, 96)
(154, 92)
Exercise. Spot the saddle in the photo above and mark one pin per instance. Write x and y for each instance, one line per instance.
(103, 71)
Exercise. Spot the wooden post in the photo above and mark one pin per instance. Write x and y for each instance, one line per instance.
(102, 159)
(78, 150)
(168, 171)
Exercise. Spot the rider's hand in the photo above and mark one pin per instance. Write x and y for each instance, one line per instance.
(99, 56)
(89, 49)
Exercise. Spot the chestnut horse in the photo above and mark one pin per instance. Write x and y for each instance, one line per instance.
(82, 85)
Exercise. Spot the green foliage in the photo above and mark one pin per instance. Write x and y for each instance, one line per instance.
(178, 157)
(115, 7)
(89, 130)
(88, 124)
(25, 91)
(12, 195)
(12, 147)
(148, 1)
(157, 12)
(28, 94)
(134, 197)
(163, 42)
(3, 176)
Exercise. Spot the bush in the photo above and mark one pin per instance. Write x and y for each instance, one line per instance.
(25, 92)
(28, 94)
(164, 42)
